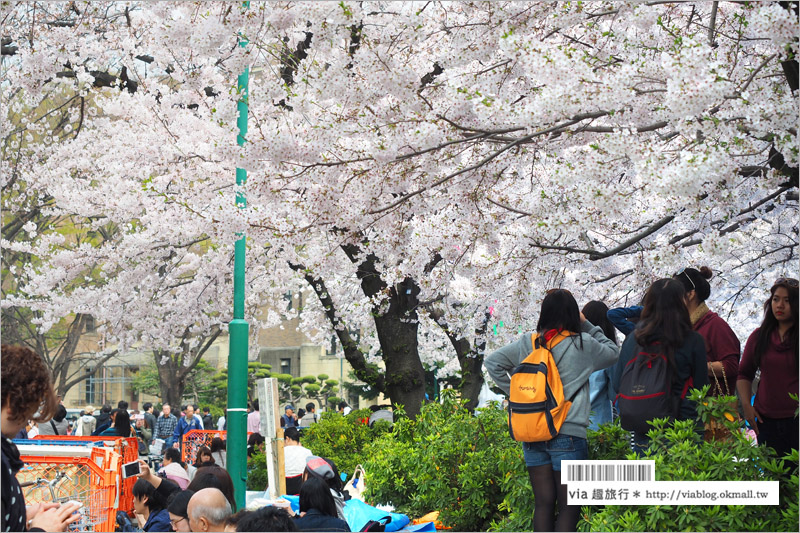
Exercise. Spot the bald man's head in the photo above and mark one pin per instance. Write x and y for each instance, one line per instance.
(208, 509)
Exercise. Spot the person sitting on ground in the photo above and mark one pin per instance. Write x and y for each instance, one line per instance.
(208, 510)
(233, 520)
(214, 477)
(204, 457)
(174, 469)
(27, 393)
(177, 508)
(269, 518)
(325, 470)
(150, 505)
(310, 417)
(318, 509)
(295, 456)
(218, 451)
(254, 443)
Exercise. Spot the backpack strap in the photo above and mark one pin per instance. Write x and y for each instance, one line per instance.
(536, 340)
(55, 429)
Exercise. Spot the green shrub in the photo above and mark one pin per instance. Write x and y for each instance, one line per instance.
(447, 460)
(680, 454)
(257, 474)
(342, 438)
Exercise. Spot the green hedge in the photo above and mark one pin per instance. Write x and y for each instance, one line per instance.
(447, 460)
(343, 438)
(466, 466)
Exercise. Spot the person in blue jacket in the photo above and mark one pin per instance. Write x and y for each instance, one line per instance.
(186, 424)
(149, 503)
(601, 395)
(625, 318)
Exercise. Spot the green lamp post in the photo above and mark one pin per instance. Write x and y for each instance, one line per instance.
(239, 329)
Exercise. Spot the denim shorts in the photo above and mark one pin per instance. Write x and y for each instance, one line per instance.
(553, 451)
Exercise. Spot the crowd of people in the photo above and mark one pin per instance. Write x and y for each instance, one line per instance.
(178, 496)
(673, 324)
(698, 347)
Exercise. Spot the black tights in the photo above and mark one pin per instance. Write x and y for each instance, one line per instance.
(547, 490)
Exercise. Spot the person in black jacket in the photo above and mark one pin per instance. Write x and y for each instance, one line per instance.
(318, 509)
(665, 328)
(269, 518)
(27, 393)
(208, 422)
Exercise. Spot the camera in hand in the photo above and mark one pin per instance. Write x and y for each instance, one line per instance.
(131, 469)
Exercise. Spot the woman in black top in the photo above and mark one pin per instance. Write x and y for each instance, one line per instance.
(665, 328)
(317, 508)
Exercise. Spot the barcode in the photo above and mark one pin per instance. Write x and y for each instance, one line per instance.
(609, 470)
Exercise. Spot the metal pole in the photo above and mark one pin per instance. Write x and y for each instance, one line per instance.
(239, 329)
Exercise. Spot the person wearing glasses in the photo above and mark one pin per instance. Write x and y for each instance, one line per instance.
(722, 344)
(773, 349)
(178, 513)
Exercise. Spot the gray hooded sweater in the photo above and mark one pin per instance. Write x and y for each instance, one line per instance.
(574, 364)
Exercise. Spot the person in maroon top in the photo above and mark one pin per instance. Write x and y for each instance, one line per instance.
(722, 345)
(773, 348)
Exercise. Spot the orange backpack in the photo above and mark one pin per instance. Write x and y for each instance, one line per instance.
(536, 404)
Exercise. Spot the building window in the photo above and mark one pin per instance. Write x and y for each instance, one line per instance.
(89, 388)
(90, 325)
(331, 350)
(286, 366)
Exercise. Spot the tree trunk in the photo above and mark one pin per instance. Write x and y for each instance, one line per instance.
(171, 381)
(397, 332)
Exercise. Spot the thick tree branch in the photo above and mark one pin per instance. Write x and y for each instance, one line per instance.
(363, 371)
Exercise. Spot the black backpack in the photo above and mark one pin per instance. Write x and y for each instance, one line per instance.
(645, 391)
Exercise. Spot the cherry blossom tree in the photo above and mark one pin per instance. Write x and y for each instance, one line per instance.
(428, 169)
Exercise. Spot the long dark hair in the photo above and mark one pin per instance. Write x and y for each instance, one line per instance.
(315, 494)
(560, 311)
(122, 423)
(664, 319)
(596, 312)
(770, 323)
(217, 444)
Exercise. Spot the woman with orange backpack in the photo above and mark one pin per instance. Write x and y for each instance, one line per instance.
(574, 348)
